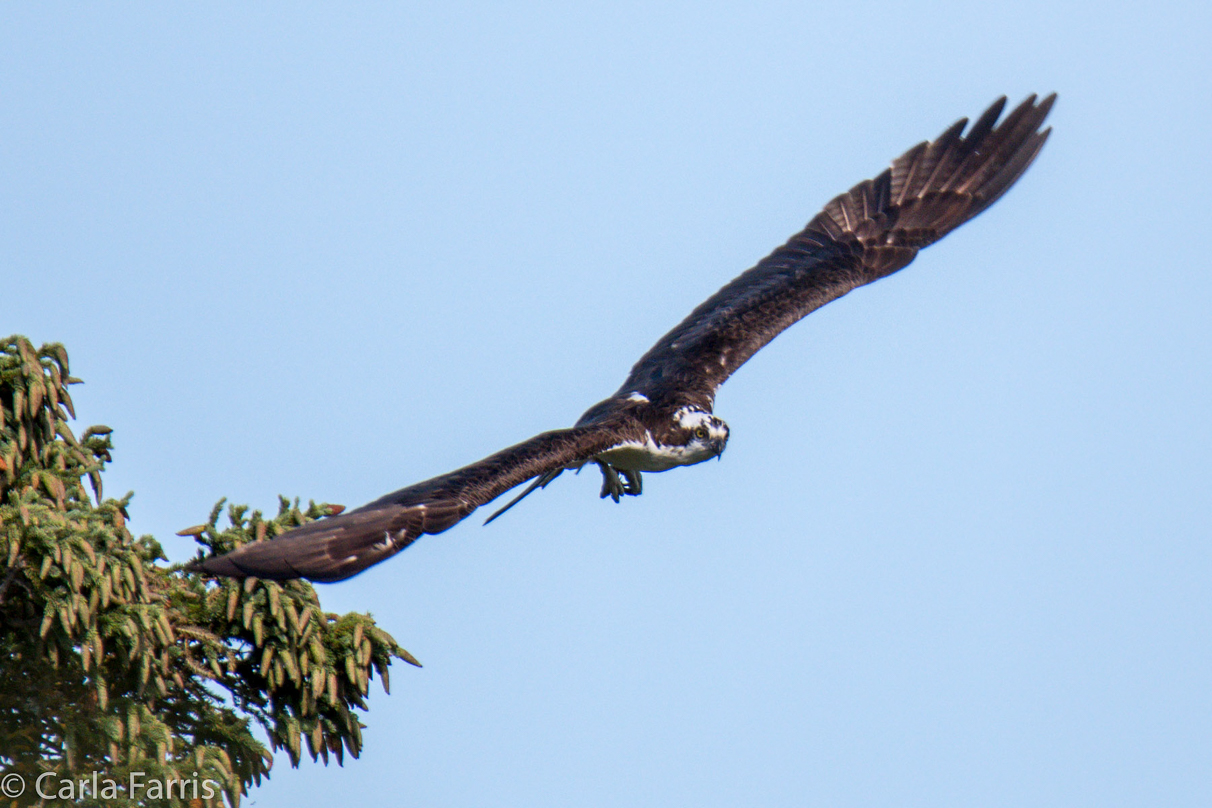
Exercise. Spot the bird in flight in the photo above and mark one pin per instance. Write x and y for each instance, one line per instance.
(662, 416)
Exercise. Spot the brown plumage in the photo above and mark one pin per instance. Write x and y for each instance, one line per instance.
(865, 234)
(661, 416)
(336, 548)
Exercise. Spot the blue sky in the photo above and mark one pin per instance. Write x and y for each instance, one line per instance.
(958, 550)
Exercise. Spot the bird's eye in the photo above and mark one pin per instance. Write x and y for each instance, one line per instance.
(701, 432)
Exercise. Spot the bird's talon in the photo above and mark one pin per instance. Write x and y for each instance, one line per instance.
(635, 483)
(612, 486)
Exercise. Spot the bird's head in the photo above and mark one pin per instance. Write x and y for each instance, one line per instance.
(702, 434)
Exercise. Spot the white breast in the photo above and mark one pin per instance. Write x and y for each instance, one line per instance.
(650, 456)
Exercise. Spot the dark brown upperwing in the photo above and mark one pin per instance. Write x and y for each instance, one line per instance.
(861, 236)
(336, 548)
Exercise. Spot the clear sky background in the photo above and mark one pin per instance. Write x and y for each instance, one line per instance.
(958, 550)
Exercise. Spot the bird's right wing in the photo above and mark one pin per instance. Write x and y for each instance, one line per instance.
(339, 547)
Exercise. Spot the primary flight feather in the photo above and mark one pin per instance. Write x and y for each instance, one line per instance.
(662, 415)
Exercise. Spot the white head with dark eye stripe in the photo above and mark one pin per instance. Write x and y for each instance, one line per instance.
(702, 434)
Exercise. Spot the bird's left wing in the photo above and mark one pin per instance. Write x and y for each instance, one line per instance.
(339, 547)
(863, 235)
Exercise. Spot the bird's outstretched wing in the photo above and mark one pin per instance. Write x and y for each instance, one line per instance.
(336, 548)
(865, 234)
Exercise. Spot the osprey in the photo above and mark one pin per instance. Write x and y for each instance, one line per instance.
(662, 416)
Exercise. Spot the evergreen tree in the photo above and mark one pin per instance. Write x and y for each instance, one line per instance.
(112, 661)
